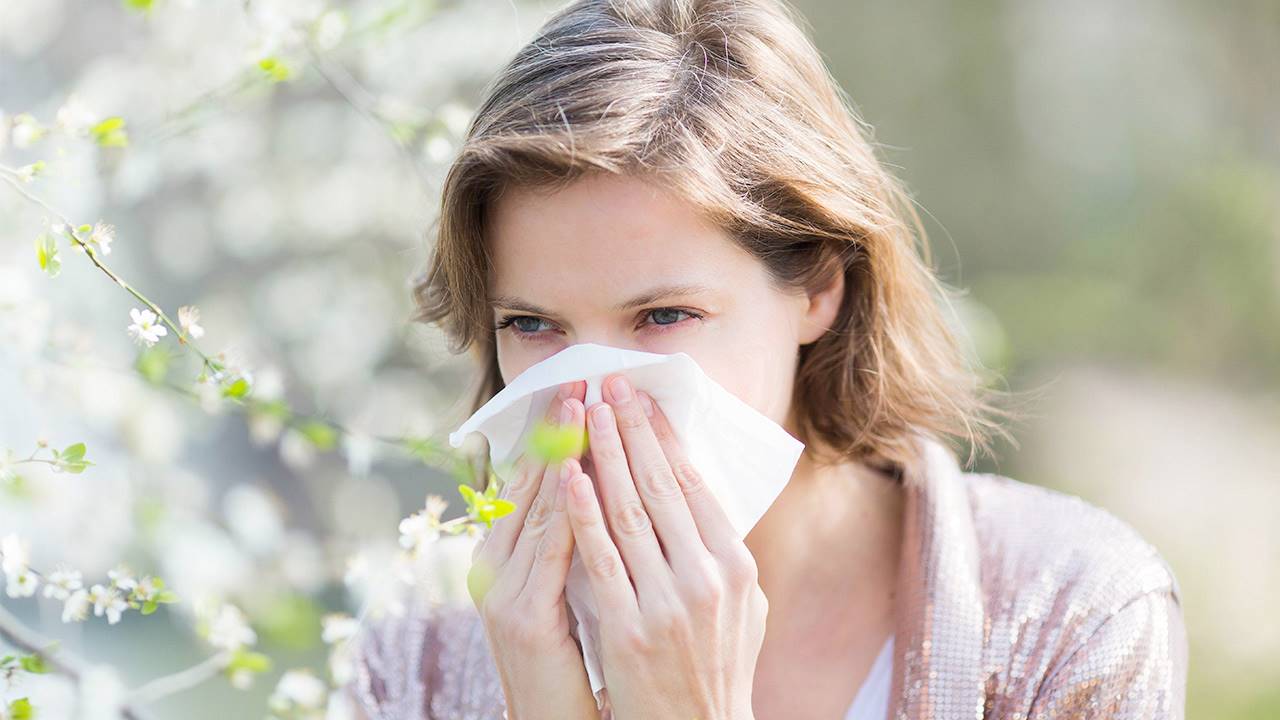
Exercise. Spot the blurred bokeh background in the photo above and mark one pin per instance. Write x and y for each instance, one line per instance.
(1102, 179)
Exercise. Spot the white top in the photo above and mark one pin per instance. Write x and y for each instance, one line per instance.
(872, 700)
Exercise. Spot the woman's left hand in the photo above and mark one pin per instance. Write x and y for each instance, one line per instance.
(684, 631)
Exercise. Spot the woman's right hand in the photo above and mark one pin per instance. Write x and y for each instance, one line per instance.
(517, 581)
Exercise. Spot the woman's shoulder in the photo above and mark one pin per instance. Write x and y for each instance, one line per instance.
(1036, 537)
(430, 661)
(1074, 599)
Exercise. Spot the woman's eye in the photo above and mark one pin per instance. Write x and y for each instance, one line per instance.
(527, 325)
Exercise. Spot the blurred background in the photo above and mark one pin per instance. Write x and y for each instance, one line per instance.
(1101, 178)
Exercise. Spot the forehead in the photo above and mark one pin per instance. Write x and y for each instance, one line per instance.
(605, 236)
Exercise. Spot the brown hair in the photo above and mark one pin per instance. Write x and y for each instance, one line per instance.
(728, 103)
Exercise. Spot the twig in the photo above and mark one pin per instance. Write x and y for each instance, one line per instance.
(180, 681)
(359, 98)
(13, 632)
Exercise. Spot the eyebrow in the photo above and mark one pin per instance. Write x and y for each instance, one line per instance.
(649, 296)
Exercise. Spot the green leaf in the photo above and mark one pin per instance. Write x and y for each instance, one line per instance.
(149, 607)
(47, 254)
(74, 452)
(275, 69)
(277, 409)
(468, 493)
(249, 661)
(142, 6)
(110, 133)
(85, 228)
(237, 389)
(167, 596)
(321, 434)
(21, 709)
(34, 663)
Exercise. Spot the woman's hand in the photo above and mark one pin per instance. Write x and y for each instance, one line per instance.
(517, 581)
(683, 633)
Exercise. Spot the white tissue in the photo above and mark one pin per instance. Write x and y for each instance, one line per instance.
(744, 457)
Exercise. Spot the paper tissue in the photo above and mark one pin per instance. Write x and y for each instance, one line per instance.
(744, 457)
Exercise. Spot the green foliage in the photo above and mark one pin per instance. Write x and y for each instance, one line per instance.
(237, 389)
(34, 663)
(20, 709)
(243, 660)
(552, 443)
(321, 434)
(47, 255)
(275, 69)
(110, 133)
(487, 506)
(71, 459)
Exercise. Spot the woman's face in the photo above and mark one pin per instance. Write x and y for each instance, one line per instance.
(616, 261)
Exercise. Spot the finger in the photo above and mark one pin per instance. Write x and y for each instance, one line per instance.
(535, 523)
(627, 518)
(524, 486)
(663, 499)
(718, 533)
(605, 570)
(551, 560)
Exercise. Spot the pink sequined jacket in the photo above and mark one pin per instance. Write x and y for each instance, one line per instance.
(1015, 602)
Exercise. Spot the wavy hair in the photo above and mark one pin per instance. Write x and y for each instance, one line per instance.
(728, 104)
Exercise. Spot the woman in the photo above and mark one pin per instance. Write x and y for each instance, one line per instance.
(684, 175)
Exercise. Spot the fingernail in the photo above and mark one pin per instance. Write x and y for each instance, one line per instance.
(601, 416)
(566, 413)
(621, 389)
(647, 403)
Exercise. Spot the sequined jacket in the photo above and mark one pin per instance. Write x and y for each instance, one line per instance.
(1014, 602)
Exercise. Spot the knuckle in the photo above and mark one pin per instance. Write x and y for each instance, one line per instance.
(634, 640)
(631, 519)
(706, 593)
(548, 551)
(661, 483)
(741, 569)
(667, 621)
(605, 565)
(690, 480)
(538, 513)
(631, 418)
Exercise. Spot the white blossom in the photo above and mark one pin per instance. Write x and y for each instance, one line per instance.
(61, 583)
(329, 29)
(338, 627)
(107, 601)
(74, 116)
(189, 319)
(26, 131)
(122, 578)
(145, 327)
(21, 584)
(423, 527)
(17, 553)
(102, 235)
(77, 607)
(417, 532)
(230, 630)
(301, 689)
(145, 589)
(241, 679)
